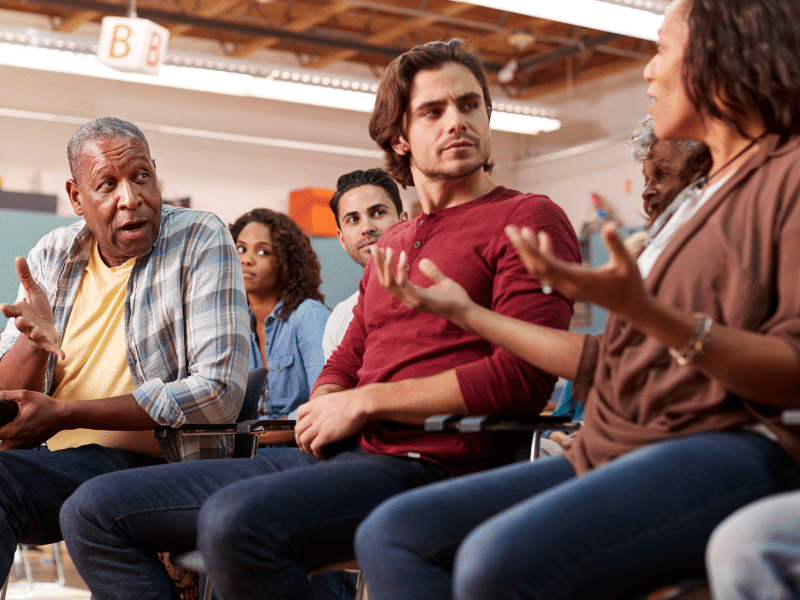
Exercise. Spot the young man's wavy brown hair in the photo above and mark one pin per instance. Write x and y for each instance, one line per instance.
(395, 89)
(299, 269)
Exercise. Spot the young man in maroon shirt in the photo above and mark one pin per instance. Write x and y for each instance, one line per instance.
(262, 524)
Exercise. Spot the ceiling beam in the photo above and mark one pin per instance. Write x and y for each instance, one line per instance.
(302, 24)
(213, 9)
(76, 19)
(580, 46)
(392, 33)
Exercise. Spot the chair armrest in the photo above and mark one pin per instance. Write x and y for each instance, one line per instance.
(534, 424)
(243, 437)
(478, 423)
(251, 427)
(441, 422)
(791, 416)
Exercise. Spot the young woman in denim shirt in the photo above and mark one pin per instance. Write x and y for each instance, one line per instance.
(287, 315)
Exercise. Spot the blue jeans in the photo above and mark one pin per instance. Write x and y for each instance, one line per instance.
(35, 483)
(535, 530)
(755, 553)
(264, 522)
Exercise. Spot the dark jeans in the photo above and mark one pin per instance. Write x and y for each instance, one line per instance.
(534, 530)
(264, 522)
(35, 483)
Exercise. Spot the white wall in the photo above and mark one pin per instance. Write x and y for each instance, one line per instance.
(227, 178)
(224, 177)
(569, 181)
(611, 108)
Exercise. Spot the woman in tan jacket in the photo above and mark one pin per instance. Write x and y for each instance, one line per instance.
(685, 386)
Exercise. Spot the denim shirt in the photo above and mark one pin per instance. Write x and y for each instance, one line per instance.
(294, 357)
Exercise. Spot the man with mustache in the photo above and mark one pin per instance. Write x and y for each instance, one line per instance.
(365, 204)
(131, 319)
(263, 524)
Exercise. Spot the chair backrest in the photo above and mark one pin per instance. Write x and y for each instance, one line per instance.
(255, 386)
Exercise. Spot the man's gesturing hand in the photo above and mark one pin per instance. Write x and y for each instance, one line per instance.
(33, 314)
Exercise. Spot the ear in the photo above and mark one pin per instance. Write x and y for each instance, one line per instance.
(400, 145)
(404, 216)
(341, 239)
(75, 197)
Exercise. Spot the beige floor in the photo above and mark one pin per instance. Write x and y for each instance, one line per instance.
(44, 574)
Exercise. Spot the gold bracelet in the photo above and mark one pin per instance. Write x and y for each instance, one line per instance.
(696, 347)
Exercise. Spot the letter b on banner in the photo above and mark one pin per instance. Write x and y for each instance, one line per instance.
(132, 44)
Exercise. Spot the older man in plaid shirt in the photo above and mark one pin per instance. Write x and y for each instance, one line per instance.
(134, 318)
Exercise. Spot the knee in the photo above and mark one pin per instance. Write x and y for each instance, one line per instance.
(473, 574)
(217, 527)
(487, 566)
(746, 540)
(393, 524)
(82, 511)
(227, 530)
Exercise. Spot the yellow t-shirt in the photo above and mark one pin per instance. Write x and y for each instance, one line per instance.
(96, 364)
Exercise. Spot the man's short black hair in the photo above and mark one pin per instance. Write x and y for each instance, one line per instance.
(355, 179)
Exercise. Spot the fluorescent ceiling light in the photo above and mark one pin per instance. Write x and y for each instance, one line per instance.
(35, 49)
(635, 18)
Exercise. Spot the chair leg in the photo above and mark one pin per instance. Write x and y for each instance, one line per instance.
(26, 561)
(205, 587)
(362, 593)
(59, 563)
(536, 444)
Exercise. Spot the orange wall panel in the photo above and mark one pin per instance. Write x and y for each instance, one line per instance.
(309, 208)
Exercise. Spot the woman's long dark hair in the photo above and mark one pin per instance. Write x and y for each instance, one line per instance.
(298, 266)
(742, 56)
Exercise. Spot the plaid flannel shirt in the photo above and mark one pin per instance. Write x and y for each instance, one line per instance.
(186, 320)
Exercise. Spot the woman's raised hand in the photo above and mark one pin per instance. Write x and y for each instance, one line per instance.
(445, 297)
(617, 285)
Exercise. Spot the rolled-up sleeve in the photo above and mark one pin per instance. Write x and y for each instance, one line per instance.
(189, 321)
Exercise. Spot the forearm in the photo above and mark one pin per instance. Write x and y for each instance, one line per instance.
(326, 388)
(758, 367)
(413, 400)
(23, 367)
(553, 350)
(120, 413)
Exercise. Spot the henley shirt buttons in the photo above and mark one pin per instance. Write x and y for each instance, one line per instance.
(417, 244)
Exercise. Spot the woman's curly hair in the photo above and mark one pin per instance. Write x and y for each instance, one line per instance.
(299, 270)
